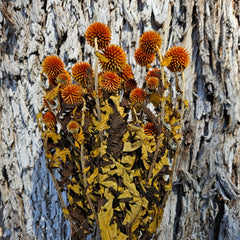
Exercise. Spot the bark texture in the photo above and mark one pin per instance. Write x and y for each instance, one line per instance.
(204, 203)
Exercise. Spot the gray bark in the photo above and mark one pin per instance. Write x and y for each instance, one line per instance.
(204, 203)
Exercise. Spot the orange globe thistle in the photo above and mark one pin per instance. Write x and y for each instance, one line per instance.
(180, 58)
(100, 31)
(150, 129)
(113, 59)
(49, 119)
(110, 82)
(52, 66)
(152, 83)
(80, 72)
(72, 94)
(73, 126)
(138, 96)
(142, 58)
(64, 78)
(127, 73)
(150, 41)
(154, 73)
(130, 84)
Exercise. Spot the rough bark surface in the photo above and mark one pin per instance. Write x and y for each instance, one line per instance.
(204, 203)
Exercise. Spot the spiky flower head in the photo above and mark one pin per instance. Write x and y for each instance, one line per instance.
(154, 73)
(152, 83)
(142, 58)
(138, 96)
(130, 84)
(49, 119)
(80, 72)
(150, 129)
(52, 66)
(113, 59)
(72, 94)
(150, 41)
(110, 82)
(73, 126)
(100, 31)
(64, 78)
(127, 73)
(180, 58)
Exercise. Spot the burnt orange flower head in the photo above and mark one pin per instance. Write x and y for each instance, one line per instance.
(64, 78)
(138, 96)
(142, 58)
(73, 126)
(113, 59)
(150, 41)
(110, 82)
(180, 58)
(72, 94)
(127, 73)
(52, 66)
(154, 73)
(49, 119)
(152, 83)
(100, 31)
(130, 84)
(150, 129)
(80, 72)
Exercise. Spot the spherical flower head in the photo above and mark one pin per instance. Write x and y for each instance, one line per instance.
(154, 73)
(150, 129)
(52, 66)
(49, 119)
(113, 59)
(80, 72)
(138, 96)
(152, 83)
(150, 41)
(72, 94)
(127, 73)
(180, 58)
(110, 82)
(142, 58)
(100, 31)
(130, 84)
(64, 78)
(73, 126)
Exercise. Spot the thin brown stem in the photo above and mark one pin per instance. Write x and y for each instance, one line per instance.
(84, 173)
(96, 82)
(154, 159)
(163, 84)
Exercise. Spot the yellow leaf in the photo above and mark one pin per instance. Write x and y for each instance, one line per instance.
(65, 211)
(125, 194)
(166, 61)
(101, 57)
(93, 176)
(85, 170)
(52, 135)
(75, 188)
(116, 100)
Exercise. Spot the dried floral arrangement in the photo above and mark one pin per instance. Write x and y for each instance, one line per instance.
(114, 155)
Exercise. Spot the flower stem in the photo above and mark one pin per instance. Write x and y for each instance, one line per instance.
(163, 84)
(96, 82)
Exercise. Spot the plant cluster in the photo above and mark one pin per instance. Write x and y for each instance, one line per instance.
(111, 150)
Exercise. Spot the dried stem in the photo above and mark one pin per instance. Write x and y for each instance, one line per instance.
(163, 84)
(84, 173)
(154, 159)
(73, 226)
(96, 82)
(180, 130)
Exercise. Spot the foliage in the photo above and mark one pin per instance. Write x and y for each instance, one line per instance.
(111, 150)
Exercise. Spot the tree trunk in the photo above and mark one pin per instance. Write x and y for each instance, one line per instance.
(204, 203)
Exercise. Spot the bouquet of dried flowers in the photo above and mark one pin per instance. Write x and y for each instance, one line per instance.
(115, 155)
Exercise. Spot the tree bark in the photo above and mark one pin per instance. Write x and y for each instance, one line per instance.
(204, 203)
